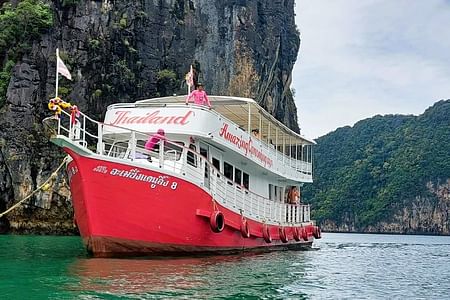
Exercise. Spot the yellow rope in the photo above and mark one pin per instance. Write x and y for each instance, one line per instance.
(45, 184)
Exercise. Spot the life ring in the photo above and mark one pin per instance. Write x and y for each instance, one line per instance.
(266, 234)
(295, 234)
(245, 231)
(217, 221)
(317, 233)
(304, 234)
(283, 236)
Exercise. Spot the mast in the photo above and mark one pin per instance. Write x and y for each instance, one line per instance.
(57, 61)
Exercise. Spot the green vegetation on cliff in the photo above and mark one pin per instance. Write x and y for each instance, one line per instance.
(19, 25)
(365, 173)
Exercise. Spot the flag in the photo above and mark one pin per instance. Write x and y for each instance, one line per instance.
(61, 67)
(190, 77)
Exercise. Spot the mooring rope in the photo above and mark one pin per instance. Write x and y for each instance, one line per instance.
(43, 186)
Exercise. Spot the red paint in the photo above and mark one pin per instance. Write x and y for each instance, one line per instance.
(118, 212)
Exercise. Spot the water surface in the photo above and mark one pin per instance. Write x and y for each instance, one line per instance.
(342, 266)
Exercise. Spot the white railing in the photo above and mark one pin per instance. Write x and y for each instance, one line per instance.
(298, 168)
(184, 162)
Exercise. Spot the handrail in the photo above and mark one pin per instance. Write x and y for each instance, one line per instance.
(223, 190)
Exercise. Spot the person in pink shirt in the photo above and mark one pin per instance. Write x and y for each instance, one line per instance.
(199, 96)
(152, 142)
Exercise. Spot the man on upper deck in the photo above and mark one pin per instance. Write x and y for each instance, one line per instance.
(199, 96)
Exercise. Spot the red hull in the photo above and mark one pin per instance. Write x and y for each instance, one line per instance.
(119, 214)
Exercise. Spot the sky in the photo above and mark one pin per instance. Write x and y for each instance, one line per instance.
(360, 58)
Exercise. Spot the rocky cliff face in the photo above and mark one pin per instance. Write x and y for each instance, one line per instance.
(121, 51)
(424, 215)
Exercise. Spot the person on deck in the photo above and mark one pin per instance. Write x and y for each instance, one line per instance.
(271, 144)
(294, 196)
(255, 133)
(199, 96)
(293, 199)
(152, 142)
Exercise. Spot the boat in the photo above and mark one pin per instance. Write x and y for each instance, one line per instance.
(210, 186)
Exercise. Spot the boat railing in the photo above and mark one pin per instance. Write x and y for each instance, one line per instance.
(184, 162)
(297, 168)
(286, 165)
(293, 166)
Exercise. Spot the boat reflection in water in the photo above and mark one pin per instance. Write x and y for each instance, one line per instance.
(124, 276)
(154, 277)
(232, 276)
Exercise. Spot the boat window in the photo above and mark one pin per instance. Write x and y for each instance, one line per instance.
(305, 153)
(245, 180)
(140, 143)
(216, 163)
(191, 157)
(172, 151)
(228, 170)
(237, 176)
(204, 152)
(280, 193)
(275, 192)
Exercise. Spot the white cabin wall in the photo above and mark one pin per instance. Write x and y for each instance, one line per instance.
(259, 178)
(259, 185)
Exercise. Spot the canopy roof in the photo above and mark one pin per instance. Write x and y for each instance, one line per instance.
(246, 113)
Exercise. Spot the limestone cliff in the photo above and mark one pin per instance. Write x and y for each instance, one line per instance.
(121, 51)
(425, 215)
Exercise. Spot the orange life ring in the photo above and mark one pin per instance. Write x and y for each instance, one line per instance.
(304, 234)
(317, 233)
(283, 236)
(266, 234)
(295, 234)
(217, 221)
(245, 231)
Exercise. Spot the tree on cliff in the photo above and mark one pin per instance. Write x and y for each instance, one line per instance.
(19, 25)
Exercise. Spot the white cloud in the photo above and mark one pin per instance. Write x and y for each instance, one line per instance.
(362, 58)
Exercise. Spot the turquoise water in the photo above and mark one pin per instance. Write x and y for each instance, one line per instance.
(343, 266)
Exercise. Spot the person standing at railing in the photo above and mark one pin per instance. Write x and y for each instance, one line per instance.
(271, 144)
(294, 199)
(153, 141)
(294, 196)
(199, 96)
(255, 133)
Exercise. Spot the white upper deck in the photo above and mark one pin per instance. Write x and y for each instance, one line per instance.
(229, 124)
(244, 112)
